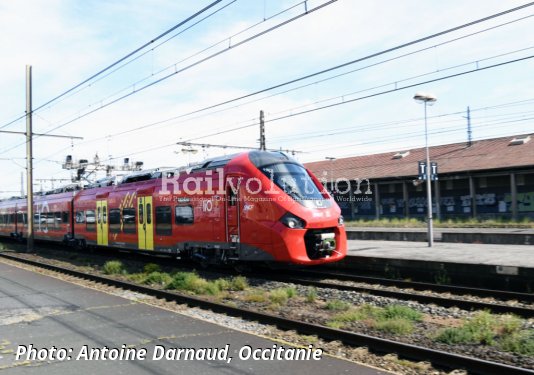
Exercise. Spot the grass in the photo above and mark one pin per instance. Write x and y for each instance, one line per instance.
(485, 328)
(311, 295)
(395, 319)
(256, 295)
(337, 305)
(449, 223)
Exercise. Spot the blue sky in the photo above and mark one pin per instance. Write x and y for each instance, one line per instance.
(68, 41)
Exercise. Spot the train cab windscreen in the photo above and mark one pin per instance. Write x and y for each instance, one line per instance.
(291, 177)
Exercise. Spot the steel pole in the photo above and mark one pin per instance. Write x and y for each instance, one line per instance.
(29, 158)
(430, 233)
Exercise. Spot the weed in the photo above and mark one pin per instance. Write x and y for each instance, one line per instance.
(454, 336)
(113, 267)
(256, 296)
(519, 342)
(311, 296)
(488, 329)
(291, 292)
(238, 283)
(397, 326)
(151, 267)
(278, 296)
(158, 278)
(400, 312)
(188, 281)
(337, 305)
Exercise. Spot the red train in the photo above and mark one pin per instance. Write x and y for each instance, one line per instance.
(247, 207)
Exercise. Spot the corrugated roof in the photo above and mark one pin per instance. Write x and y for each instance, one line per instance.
(495, 153)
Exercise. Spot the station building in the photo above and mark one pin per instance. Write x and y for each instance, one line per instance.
(492, 178)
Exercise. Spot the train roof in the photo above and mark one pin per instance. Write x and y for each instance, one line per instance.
(257, 157)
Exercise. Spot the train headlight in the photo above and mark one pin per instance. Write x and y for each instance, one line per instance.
(292, 221)
(340, 220)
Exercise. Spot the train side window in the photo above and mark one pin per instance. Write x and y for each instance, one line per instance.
(80, 217)
(1, 219)
(12, 218)
(90, 220)
(114, 220)
(65, 217)
(183, 215)
(148, 213)
(128, 220)
(20, 218)
(163, 221)
(57, 219)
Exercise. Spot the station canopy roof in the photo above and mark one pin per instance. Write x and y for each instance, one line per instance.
(509, 152)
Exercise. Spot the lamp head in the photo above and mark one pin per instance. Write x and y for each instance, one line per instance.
(423, 97)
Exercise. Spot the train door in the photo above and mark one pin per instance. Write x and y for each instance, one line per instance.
(145, 223)
(232, 210)
(102, 222)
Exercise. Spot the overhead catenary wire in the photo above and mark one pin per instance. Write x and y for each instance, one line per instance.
(137, 90)
(181, 23)
(152, 124)
(196, 63)
(289, 82)
(221, 133)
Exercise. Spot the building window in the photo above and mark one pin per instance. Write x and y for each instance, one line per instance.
(128, 220)
(391, 188)
(482, 182)
(520, 179)
(183, 215)
(449, 184)
(164, 220)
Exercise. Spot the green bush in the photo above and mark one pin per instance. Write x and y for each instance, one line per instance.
(454, 336)
(519, 343)
(238, 283)
(159, 278)
(151, 267)
(113, 267)
(188, 281)
(488, 329)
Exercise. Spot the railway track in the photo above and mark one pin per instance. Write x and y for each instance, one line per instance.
(376, 344)
(370, 285)
(310, 279)
(440, 288)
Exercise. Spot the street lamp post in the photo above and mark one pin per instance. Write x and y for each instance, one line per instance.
(427, 99)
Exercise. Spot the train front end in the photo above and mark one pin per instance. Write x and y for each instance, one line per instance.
(305, 223)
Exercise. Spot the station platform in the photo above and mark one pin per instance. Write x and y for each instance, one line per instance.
(500, 236)
(507, 267)
(44, 312)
